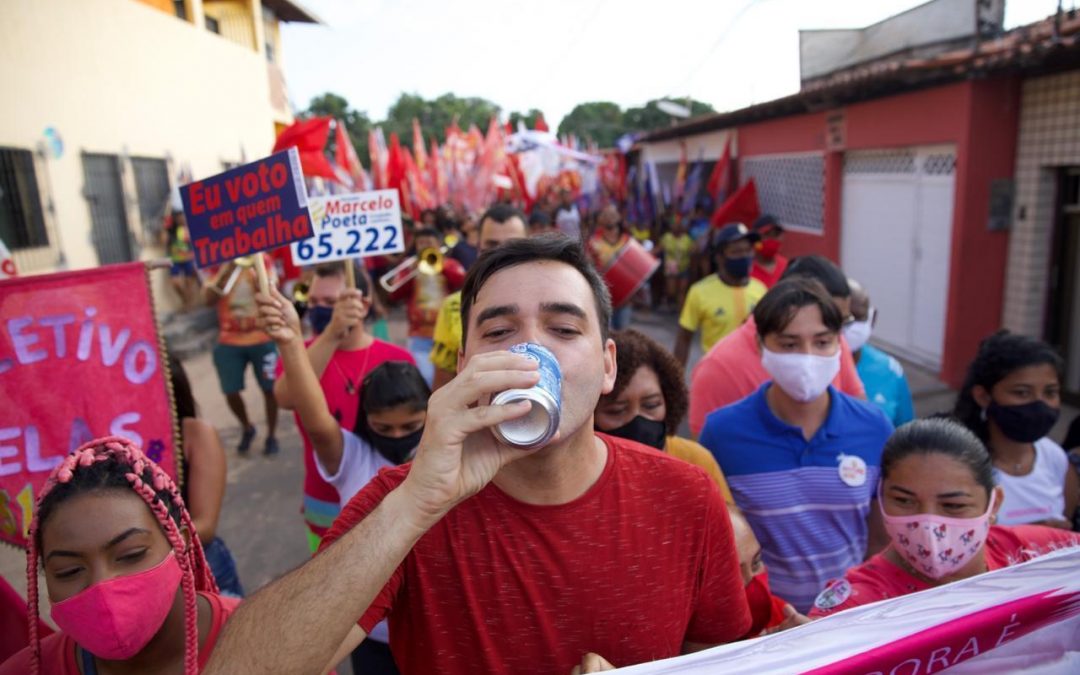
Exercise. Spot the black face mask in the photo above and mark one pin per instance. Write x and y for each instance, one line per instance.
(395, 450)
(1025, 423)
(643, 430)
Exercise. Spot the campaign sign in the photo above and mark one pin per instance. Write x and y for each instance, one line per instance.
(252, 208)
(80, 358)
(1024, 618)
(352, 226)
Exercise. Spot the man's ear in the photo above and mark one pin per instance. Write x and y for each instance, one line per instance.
(610, 367)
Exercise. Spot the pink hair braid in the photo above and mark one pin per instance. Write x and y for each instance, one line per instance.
(148, 480)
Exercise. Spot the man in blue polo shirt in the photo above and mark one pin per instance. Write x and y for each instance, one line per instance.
(802, 458)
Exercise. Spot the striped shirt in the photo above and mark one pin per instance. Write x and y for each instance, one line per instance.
(812, 525)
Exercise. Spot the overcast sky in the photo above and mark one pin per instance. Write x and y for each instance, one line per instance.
(553, 54)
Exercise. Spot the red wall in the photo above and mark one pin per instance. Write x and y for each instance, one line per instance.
(800, 133)
(980, 119)
(986, 151)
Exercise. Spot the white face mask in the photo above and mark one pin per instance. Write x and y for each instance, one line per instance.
(857, 334)
(803, 377)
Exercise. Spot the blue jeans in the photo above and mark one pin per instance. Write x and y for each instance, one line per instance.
(224, 567)
(620, 318)
(420, 348)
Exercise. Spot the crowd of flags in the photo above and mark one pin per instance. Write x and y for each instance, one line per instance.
(472, 169)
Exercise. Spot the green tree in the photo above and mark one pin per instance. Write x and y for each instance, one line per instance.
(598, 121)
(649, 116)
(528, 118)
(436, 115)
(356, 122)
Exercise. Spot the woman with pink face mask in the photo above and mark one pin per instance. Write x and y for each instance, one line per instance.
(940, 503)
(130, 588)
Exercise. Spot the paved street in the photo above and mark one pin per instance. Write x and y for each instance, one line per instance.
(260, 519)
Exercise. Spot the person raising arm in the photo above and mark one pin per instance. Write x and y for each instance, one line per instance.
(314, 607)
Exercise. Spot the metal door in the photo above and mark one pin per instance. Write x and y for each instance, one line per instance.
(896, 222)
(152, 189)
(105, 196)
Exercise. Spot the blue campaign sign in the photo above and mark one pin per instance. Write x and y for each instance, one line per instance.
(352, 226)
(252, 208)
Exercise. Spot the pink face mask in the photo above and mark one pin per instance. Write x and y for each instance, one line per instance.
(115, 619)
(937, 545)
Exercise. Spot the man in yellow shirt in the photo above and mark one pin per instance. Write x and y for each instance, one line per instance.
(500, 223)
(719, 303)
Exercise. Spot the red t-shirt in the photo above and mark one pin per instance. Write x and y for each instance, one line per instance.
(880, 579)
(765, 276)
(732, 370)
(15, 635)
(58, 650)
(344, 372)
(640, 563)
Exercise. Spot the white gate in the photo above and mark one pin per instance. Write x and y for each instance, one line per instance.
(896, 240)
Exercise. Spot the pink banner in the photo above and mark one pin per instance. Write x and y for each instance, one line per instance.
(80, 357)
(1017, 619)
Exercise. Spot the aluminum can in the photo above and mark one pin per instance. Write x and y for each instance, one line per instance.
(538, 427)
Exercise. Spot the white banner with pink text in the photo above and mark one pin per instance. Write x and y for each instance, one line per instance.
(1018, 619)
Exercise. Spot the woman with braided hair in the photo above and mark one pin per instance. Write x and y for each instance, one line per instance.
(129, 585)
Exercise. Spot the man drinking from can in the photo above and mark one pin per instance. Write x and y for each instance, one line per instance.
(588, 544)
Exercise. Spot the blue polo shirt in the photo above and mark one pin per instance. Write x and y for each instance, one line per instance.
(811, 523)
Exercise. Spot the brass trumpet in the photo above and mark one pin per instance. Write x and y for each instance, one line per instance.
(428, 262)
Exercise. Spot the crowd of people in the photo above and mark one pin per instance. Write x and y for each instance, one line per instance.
(810, 488)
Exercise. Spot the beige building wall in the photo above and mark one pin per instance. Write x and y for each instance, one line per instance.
(710, 145)
(1049, 138)
(122, 78)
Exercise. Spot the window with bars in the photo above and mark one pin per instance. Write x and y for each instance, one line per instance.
(22, 223)
(790, 187)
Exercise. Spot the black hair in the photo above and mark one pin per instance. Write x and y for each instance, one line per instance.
(337, 268)
(998, 355)
(501, 213)
(820, 268)
(554, 247)
(181, 386)
(633, 350)
(942, 436)
(389, 385)
(783, 301)
(427, 232)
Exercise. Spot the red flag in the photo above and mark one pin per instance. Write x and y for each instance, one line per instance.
(378, 175)
(541, 125)
(742, 207)
(439, 187)
(309, 138)
(719, 184)
(419, 150)
(345, 156)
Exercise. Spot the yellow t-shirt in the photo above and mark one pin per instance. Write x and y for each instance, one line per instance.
(447, 335)
(693, 453)
(677, 251)
(718, 309)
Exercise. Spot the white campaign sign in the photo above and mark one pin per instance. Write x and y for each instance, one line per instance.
(1017, 619)
(356, 225)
